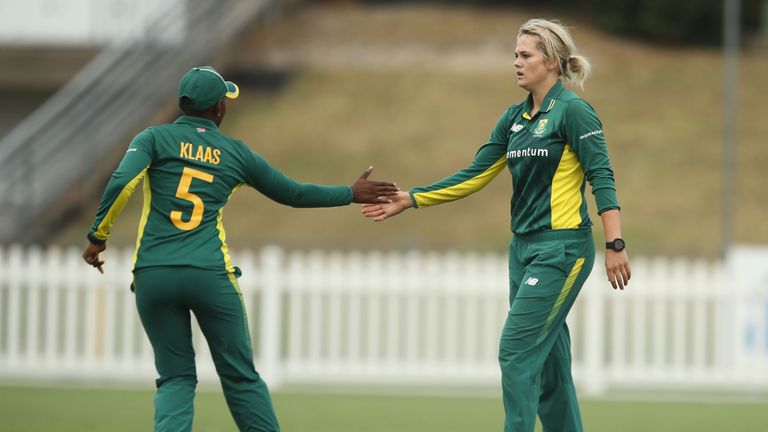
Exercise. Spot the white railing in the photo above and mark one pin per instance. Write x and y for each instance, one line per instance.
(402, 318)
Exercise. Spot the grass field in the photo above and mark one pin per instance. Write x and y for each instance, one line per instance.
(32, 409)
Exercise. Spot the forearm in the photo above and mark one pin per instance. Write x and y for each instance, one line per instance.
(116, 195)
(308, 195)
(278, 187)
(489, 161)
(611, 224)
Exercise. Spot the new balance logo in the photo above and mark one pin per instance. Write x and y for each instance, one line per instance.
(516, 128)
(531, 281)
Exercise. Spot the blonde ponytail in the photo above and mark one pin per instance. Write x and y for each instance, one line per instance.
(577, 71)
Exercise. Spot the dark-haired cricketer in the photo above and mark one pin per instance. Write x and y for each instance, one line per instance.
(181, 265)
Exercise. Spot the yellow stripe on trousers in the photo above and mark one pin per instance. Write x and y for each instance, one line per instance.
(561, 298)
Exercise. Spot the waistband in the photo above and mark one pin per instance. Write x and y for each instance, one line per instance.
(561, 234)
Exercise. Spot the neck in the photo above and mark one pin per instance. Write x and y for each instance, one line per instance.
(540, 92)
(205, 115)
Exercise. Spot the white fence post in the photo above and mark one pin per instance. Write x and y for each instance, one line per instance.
(16, 269)
(271, 269)
(594, 337)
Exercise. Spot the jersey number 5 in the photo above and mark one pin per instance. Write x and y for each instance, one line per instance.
(183, 192)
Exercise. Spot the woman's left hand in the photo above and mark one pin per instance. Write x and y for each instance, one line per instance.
(617, 268)
(91, 255)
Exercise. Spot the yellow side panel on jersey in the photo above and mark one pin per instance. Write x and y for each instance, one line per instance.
(566, 199)
(144, 216)
(223, 237)
(461, 190)
(102, 232)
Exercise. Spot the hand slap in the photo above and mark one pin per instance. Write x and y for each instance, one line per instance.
(379, 212)
(370, 191)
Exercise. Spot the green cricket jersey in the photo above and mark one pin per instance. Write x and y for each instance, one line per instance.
(551, 155)
(190, 170)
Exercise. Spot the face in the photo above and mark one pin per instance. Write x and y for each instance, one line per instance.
(531, 66)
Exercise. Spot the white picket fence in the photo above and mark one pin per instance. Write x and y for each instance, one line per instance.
(399, 318)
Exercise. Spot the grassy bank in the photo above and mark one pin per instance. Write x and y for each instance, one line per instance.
(420, 120)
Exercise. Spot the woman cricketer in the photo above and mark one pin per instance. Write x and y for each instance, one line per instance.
(552, 143)
(182, 265)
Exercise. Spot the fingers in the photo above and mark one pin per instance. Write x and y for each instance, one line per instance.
(371, 192)
(374, 212)
(373, 199)
(93, 261)
(619, 278)
(367, 172)
(384, 184)
(97, 265)
(626, 274)
(385, 188)
(622, 273)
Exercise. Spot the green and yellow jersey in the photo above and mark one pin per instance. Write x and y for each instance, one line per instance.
(551, 156)
(190, 170)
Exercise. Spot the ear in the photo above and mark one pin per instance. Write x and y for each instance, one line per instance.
(551, 64)
(219, 111)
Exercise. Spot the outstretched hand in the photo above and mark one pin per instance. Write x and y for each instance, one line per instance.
(91, 255)
(399, 203)
(369, 191)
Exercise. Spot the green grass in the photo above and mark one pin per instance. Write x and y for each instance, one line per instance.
(32, 409)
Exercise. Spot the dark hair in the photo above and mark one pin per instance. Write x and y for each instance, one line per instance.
(186, 101)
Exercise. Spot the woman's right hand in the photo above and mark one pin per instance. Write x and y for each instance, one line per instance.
(400, 202)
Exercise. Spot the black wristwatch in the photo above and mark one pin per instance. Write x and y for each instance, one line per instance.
(618, 245)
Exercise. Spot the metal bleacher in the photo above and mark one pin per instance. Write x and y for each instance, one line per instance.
(48, 162)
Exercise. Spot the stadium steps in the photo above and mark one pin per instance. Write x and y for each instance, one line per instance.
(56, 160)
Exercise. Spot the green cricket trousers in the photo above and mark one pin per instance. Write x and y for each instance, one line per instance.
(165, 296)
(546, 272)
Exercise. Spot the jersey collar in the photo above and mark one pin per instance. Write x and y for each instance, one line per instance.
(196, 122)
(549, 101)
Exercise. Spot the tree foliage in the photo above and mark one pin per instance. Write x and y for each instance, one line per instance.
(693, 22)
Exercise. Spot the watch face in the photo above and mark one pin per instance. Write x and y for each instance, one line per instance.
(618, 244)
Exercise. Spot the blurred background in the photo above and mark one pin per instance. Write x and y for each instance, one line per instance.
(393, 326)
